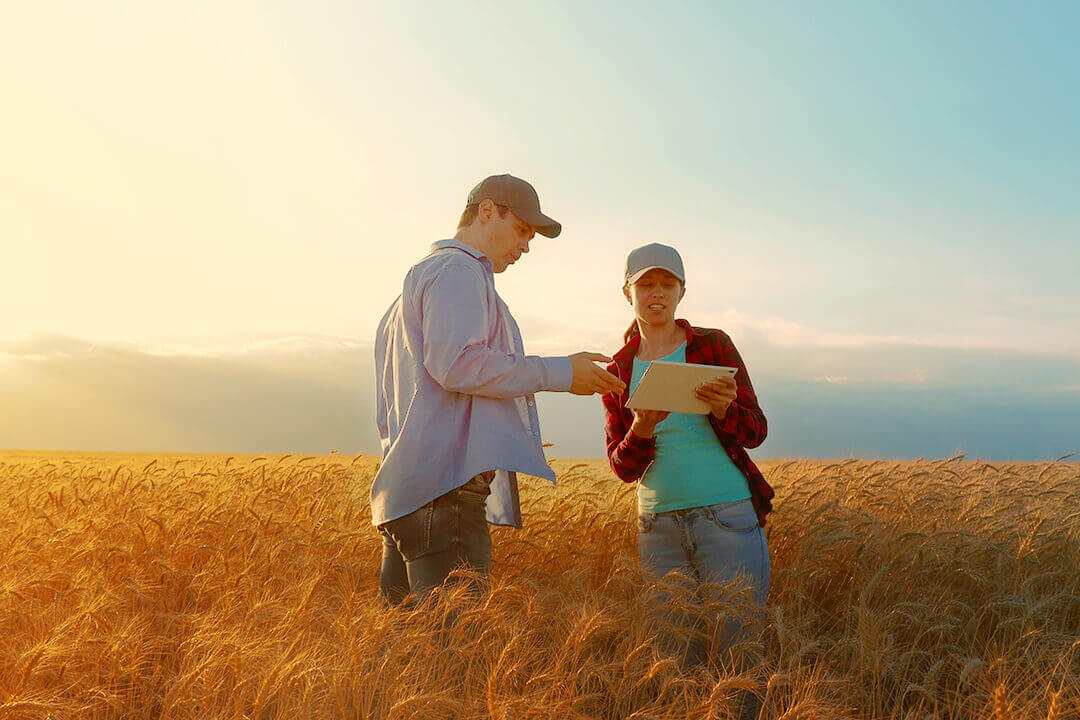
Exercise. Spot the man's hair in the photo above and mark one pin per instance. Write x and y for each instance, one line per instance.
(471, 212)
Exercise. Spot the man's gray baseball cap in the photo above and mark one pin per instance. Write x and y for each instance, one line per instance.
(519, 196)
(653, 256)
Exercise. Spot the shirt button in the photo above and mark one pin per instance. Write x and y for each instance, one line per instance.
(531, 403)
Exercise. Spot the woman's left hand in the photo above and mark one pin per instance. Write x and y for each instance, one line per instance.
(719, 394)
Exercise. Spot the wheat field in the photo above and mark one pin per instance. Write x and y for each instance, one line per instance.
(246, 587)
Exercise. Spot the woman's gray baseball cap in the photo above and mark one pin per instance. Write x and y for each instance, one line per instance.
(650, 257)
(519, 196)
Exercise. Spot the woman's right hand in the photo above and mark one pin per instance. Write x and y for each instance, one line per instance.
(645, 422)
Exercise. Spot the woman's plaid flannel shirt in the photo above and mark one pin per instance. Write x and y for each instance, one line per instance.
(743, 426)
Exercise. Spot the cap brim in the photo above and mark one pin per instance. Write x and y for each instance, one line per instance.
(637, 276)
(543, 224)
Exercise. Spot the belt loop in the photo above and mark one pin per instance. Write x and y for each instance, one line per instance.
(645, 521)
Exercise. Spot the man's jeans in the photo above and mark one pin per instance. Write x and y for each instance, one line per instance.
(421, 548)
(711, 544)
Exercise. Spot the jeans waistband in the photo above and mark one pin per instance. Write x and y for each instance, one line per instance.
(682, 512)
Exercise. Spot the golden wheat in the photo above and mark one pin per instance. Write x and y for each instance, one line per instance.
(211, 587)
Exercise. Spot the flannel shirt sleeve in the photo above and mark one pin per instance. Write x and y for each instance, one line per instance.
(627, 453)
(744, 421)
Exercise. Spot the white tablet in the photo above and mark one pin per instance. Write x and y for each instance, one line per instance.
(670, 386)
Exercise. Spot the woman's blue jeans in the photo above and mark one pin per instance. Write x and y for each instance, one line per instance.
(711, 544)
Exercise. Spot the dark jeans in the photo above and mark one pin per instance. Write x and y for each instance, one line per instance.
(421, 548)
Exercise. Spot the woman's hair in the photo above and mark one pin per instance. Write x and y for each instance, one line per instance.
(471, 211)
(633, 329)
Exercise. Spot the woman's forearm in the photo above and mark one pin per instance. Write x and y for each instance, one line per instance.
(631, 455)
(642, 429)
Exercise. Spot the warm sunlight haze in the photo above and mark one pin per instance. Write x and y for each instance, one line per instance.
(207, 207)
(878, 205)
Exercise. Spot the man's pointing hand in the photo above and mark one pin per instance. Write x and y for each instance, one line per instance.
(590, 379)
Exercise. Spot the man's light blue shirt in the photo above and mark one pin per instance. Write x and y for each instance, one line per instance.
(454, 389)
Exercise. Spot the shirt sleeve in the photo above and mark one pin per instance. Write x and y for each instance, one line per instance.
(382, 411)
(456, 321)
(744, 421)
(628, 454)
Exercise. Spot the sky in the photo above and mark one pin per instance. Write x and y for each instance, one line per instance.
(205, 209)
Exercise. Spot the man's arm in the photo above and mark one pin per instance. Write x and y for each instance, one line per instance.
(381, 417)
(455, 319)
(382, 410)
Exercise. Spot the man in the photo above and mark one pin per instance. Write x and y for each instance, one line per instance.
(454, 396)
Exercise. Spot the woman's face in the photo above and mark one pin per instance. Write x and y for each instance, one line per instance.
(655, 296)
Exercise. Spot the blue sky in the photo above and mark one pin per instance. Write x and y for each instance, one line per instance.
(877, 201)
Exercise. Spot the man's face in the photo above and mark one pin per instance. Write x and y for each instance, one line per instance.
(655, 296)
(510, 236)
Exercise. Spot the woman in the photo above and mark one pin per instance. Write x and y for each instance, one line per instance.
(701, 500)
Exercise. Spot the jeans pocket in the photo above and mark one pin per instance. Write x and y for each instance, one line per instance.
(412, 533)
(477, 489)
(737, 517)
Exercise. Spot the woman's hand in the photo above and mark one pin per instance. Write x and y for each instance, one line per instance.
(645, 422)
(718, 394)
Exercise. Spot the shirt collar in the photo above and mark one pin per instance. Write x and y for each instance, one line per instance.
(625, 356)
(451, 243)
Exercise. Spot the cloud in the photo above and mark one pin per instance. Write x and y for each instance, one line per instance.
(915, 376)
(785, 333)
(782, 332)
(301, 394)
(776, 336)
(45, 347)
(314, 393)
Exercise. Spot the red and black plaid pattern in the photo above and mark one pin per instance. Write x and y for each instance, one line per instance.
(743, 426)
